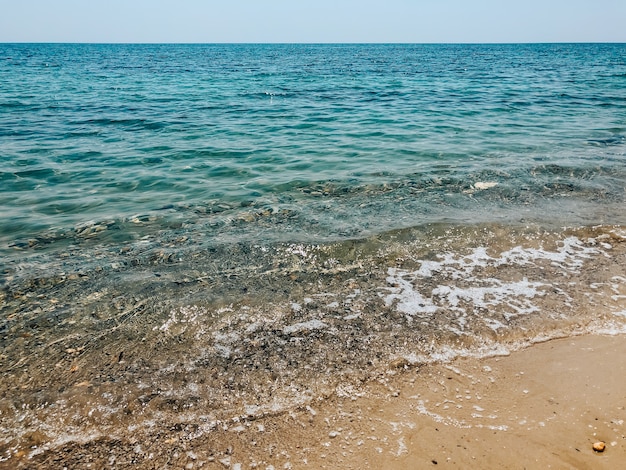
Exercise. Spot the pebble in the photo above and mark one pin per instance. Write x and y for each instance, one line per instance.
(485, 184)
(399, 363)
(35, 438)
(599, 446)
(246, 217)
(333, 434)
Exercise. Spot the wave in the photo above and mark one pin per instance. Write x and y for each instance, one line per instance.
(235, 333)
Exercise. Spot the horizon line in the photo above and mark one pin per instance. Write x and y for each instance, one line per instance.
(308, 43)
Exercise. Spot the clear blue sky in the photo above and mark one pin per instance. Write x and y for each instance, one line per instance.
(312, 21)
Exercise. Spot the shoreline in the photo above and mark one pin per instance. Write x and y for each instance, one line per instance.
(538, 407)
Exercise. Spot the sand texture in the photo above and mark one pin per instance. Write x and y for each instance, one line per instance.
(542, 407)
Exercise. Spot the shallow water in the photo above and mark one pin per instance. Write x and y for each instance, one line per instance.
(196, 234)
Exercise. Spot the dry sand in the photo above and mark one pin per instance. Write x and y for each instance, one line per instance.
(542, 407)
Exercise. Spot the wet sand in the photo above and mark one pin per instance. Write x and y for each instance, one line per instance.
(542, 407)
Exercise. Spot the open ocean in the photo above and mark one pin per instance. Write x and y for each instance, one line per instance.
(207, 234)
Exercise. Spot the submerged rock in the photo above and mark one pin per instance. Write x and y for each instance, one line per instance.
(485, 185)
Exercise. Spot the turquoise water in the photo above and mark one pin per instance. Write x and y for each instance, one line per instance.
(340, 137)
(218, 232)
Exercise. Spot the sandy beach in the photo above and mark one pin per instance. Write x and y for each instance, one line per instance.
(542, 407)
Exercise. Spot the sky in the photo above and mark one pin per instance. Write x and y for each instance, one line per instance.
(218, 21)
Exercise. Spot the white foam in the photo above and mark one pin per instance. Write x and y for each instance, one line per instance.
(228, 338)
(497, 293)
(482, 185)
(254, 327)
(570, 256)
(493, 324)
(402, 448)
(610, 329)
(304, 327)
(410, 301)
(182, 316)
(421, 408)
(298, 250)
(407, 294)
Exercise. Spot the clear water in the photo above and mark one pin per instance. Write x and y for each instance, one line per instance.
(348, 140)
(261, 225)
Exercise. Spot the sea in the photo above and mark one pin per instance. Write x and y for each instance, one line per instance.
(210, 234)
